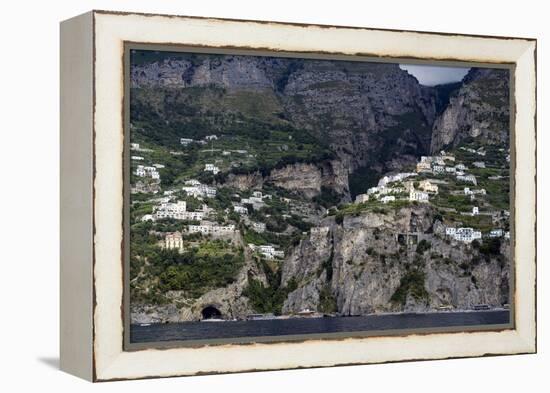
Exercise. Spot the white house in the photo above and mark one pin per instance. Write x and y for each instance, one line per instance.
(186, 141)
(466, 235)
(467, 179)
(438, 169)
(460, 167)
(147, 217)
(450, 169)
(240, 209)
(134, 146)
(258, 227)
(173, 240)
(496, 233)
(137, 158)
(177, 211)
(387, 198)
(428, 186)
(158, 166)
(192, 182)
(268, 251)
(211, 168)
(424, 166)
(208, 228)
(479, 164)
(211, 137)
(419, 196)
(151, 171)
(450, 231)
(140, 171)
(475, 211)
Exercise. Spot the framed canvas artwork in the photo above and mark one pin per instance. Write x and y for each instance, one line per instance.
(245, 195)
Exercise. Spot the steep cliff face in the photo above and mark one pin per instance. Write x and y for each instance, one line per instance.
(367, 264)
(368, 114)
(351, 105)
(309, 178)
(479, 109)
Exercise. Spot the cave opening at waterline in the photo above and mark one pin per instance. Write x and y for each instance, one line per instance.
(211, 312)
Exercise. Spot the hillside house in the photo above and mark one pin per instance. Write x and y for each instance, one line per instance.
(137, 158)
(211, 168)
(258, 227)
(422, 167)
(496, 233)
(208, 228)
(479, 164)
(387, 198)
(134, 146)
(418, 196)
(438, 169)
(475, 211)
(173, 241)
(177, 211)
(467, 179)
(186, 141)
(466, 235)
(267, 251)
(460, 167)
(450, 169)
(240, 209)
(212, 137)
(428, 186)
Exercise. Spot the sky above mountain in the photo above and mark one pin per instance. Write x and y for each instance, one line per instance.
(435, 75)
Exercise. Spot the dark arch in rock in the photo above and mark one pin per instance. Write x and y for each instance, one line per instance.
(211, 312)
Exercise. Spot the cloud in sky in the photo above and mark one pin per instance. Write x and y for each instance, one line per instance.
(435, 75)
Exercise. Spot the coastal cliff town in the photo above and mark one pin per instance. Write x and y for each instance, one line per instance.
(243, 204)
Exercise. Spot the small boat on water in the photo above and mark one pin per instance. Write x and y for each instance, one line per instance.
(144, 324)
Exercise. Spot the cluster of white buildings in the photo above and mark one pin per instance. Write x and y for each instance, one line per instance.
(438, 165)
(147, 171)
(209, 228)
(178, 211)
(384, 193)
(196, 189)
(267, 251)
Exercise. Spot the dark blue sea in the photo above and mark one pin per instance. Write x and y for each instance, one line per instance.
(186, 331)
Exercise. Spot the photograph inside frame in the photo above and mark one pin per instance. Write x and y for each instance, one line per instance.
(274, 197)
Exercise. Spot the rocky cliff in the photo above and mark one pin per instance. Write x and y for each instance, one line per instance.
(373, 263)
(479, 109)
(368, 114)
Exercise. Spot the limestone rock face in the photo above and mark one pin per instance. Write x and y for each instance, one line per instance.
(363, 263)
(480, 109)
(243, 182)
